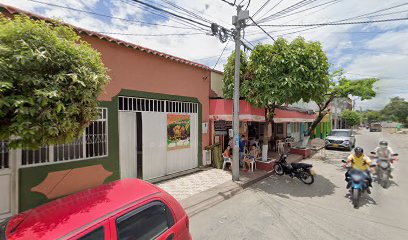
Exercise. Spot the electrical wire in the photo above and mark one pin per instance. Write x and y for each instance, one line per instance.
(334, 23)
(108, 16)
(189, 12)
(304, 10)
(346, 19)
(262, 29)
(171, 13)
(271, 9)
(160, 13)
(226, 45)
(151, 35)
(261, 8)
(287, 10)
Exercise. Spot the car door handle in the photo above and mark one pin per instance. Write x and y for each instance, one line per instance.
(170, 237)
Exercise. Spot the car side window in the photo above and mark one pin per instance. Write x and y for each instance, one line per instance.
(147, 222)
(97, 234)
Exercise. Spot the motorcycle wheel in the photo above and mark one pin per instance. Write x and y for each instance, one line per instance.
(355, 197)
(306, 178)
(278, 169)
(384, 180)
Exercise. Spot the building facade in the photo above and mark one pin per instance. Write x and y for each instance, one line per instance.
(153, 122)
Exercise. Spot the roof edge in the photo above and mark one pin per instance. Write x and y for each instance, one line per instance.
(14, 10)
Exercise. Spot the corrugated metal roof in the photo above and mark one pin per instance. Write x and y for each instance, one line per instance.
(13, 10)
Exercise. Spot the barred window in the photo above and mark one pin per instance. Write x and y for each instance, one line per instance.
(94, 143)
(4, 155)
(155, 105)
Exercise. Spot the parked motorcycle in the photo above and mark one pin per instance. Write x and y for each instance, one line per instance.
(383, 170)
(302, 171)
(359, 184)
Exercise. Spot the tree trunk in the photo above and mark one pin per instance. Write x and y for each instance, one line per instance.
(319, 118)
(269, 113)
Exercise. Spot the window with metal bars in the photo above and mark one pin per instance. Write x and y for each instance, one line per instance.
(4, 155)
(155, 105)
(94, 143)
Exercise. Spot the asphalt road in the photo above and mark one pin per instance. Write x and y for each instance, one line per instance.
(285, 208)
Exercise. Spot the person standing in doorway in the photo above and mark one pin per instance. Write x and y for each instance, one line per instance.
(242, 144)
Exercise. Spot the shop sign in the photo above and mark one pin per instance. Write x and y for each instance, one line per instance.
(178, 131)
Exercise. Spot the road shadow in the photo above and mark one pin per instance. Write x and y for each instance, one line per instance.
(365, 199)
(285, 186)
(392, 183)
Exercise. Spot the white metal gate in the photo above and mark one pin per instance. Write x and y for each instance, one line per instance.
(156, 160)
(7, 183)
(127, 145)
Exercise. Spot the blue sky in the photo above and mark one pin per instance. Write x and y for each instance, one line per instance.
(366, 50)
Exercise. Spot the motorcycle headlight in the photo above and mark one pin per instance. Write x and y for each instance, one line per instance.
(384, 164)
(356, 177)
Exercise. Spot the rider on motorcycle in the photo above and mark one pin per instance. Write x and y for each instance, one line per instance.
(385, 152)
(360, 162)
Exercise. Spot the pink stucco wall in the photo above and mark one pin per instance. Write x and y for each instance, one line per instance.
(136, 70)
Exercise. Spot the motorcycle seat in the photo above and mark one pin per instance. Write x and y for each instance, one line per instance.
(301, 165)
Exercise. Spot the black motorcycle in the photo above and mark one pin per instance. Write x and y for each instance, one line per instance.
(302, 171)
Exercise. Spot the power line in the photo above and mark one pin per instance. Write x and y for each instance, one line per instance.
(350, 18)
(226, 45)
(191, 13)
(333, 23)
(262, 29)
(151, 35)
(261, 8)
(271, 9)
(304, 10)
(108, 16)
(160, 13)
(170, 13)
(288, 10)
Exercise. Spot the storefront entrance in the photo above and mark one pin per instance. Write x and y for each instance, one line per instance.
(157, 137)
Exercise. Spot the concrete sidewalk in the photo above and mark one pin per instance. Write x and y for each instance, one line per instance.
(199, 191)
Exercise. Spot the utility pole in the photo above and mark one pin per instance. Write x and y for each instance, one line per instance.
(239, 22)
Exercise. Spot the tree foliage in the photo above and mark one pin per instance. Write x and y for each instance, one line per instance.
(372, 116)
(341, 87)
(49, 82)
(282, 73)
(351, 118)
(396, 110)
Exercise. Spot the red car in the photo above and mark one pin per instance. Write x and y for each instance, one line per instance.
(124, 209)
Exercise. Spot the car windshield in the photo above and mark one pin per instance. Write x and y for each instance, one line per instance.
(340, 134)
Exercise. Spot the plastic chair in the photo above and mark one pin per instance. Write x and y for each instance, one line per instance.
(226, 160)
(253, 164)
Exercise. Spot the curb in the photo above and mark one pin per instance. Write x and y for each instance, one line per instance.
(207, 199)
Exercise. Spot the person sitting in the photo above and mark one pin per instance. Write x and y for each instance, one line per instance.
(227, 155)
(253, 154)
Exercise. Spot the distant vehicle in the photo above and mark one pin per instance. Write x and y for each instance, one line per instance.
(124, 209)
(375, 127)
(340, 139)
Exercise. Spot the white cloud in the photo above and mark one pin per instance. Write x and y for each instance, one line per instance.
(340, 41)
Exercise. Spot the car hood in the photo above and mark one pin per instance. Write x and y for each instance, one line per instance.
(338, 138)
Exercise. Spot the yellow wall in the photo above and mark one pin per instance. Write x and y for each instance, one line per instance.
(217, 83)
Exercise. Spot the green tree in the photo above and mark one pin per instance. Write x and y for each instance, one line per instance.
(396, 110)
(340, 87)
(49, 82)
(351, 118)
(278, 74)
(372, 116)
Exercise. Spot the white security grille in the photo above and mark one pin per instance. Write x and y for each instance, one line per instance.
(154, 105)
(4, 155)
(94, 143)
